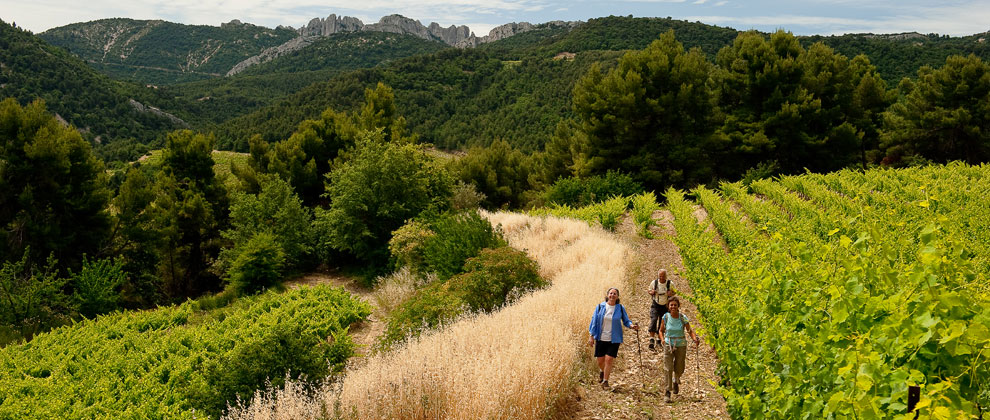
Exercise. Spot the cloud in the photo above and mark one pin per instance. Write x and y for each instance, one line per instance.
(721, 3)
(700, 1)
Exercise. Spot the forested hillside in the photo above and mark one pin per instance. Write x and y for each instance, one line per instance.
(103, 110)
(159, 52)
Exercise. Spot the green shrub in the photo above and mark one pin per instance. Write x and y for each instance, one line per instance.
(457, 237)
(97, 286)
(465, 196)
(579, 192)
(258, 265)
(496, 277)
(275, 209)
(492, 279)
(610, 211)
(406, 245)
(643, 207)
(31, 298)
(269, 358)
(428, 308)
(374, 193)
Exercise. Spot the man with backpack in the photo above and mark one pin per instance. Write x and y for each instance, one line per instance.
(660, 289)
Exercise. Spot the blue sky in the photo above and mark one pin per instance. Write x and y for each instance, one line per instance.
(951, 17)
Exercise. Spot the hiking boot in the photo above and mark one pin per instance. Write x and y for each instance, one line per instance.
(652, 345)
(666, 398)
(677, 387)
(601, 376)
(605, 385)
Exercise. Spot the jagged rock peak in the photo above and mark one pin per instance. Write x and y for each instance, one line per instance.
(331, 25)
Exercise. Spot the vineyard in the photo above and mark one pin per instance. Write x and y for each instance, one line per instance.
(831, 295)
(177, 362)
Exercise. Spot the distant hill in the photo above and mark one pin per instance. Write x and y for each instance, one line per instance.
(102, 109)
(218, 100)
(159, 52)
(900, 55)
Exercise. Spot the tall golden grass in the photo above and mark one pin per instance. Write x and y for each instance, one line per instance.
(516, 363)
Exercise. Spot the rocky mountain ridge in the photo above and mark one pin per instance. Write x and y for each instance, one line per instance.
(456, 36)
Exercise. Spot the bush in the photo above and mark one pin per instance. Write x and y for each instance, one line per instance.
(275, 209)
(258, 265)
(578, 192)
(644, 205)
(427, 309)
(31, 298)
(406, 245)
(279, 353)
(610, 211)
(466, 196)
(97, 286)
(457, 237)
(374, 193)
(496, 277)
(492, 279)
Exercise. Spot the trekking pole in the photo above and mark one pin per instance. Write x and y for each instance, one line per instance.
(639, 349)
(697, 371)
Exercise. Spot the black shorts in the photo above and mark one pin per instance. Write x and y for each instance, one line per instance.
(656, 313)
(603, 348)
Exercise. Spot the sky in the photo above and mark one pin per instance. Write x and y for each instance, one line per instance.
(805, 17)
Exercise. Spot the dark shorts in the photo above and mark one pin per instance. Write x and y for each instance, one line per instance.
(656, 313)
(603, 348)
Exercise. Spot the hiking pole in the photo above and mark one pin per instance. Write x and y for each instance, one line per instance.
(639, 349)
(697, 371)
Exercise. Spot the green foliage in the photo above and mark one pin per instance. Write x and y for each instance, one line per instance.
(803, 108)
(606, 213)
(267, 360)
(653, 116)
(187, 214)
(493, 278)
(31, 297)
(96, 287)
(275, 210)
(877, 278)
(465, 196)
(163, 363)
(578, 192)
(944, 115)
(375, 192)
(643, 207)
(258, 264)
(456, 237)
(102, 109)
(160, 52)
(429, 308)
(499, 172)
(496, 277)
(53, 194)
(406, 245)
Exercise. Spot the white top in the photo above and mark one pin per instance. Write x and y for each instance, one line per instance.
(660, 297)
(607, 323)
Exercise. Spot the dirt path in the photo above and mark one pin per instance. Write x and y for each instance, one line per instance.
(364, 333)
(637, 391)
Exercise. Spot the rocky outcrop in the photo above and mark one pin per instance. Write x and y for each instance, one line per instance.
(457, 36)
(273, 52)
(331, 25)
(157, 112)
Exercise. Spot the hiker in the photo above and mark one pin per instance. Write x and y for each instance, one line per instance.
(672, 327)
(660, 289)
(606, 332)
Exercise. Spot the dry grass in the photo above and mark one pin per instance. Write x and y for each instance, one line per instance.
(397, 287)
(517, 363)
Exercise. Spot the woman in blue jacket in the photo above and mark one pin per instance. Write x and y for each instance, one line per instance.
(606, 332)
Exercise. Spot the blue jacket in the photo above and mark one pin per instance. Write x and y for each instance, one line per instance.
(617, 322)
